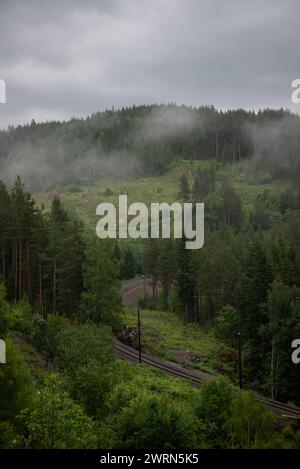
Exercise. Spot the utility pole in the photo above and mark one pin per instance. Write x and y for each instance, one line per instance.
(139, 336)
(240, 360)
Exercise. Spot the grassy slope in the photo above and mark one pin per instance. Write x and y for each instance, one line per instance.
(152, 189)
(164, 334)
(145, 378)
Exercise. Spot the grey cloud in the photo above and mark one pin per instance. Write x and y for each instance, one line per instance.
(168, 122)
(39, 168)
(71, 58)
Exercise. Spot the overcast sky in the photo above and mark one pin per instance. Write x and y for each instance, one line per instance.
(64, 58)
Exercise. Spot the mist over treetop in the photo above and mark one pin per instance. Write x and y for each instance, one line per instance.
(146, 140)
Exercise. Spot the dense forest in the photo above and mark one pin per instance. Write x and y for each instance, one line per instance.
(147, 140)
(60, 285)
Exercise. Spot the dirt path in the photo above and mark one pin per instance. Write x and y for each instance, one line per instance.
(133, 289)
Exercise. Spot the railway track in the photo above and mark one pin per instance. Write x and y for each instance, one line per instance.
(196, 378)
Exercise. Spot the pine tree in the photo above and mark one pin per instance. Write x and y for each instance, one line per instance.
(184, 192)
(166, 268)
(253, 297)
(128, 269)
(186, 282)
(231, 207)
(5, 227)
(24, 219)
(100, 301)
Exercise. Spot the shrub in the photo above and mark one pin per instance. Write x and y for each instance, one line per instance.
(16, 384)
(8, 435)
(56, 421)
(252, 425)
(152, 421)
(214, 409)
(91, 385)
(21, 317)
(107, 192)
(77, 346)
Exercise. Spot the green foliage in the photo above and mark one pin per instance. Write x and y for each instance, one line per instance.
(214, 409)
(128, 268)
(184, 192)
(45, 259)
(251, 425)
(108, 192)
(228, 323)
(215, 135)
(264, 213)
(100, 301)
(231, 207)
(282, 328)
(45, 334)
(5, 311)
(56, 421)
(91, 385)
(64, 253)
(151, 421)
(75, 346)
(16, 385)
(204, 182)
(21, 317)
(233, 419)
(8, 435)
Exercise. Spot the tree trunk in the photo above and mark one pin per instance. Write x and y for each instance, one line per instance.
(16, 274)
(20, 270)
(3, 262)
(29, 286)
(40, 283)
(54, 286)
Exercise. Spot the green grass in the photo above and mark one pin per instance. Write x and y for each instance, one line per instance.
(147, 378)
(154, 189)
(165, 335)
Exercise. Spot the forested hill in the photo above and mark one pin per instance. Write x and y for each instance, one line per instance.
(147, 140)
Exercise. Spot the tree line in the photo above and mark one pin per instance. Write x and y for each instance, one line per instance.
(148, 140)
(47, 258)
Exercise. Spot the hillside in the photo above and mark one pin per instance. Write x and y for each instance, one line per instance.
(83, 199)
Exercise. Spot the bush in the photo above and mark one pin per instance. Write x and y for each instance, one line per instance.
(91, 385)
(78, 346)
(108, 192)
(16, 385)
(214, 409)
(46, 333)
(152, 421)
(56, 421)
(252, 425)
(233, 419)
(8, 435)
(21, 318)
